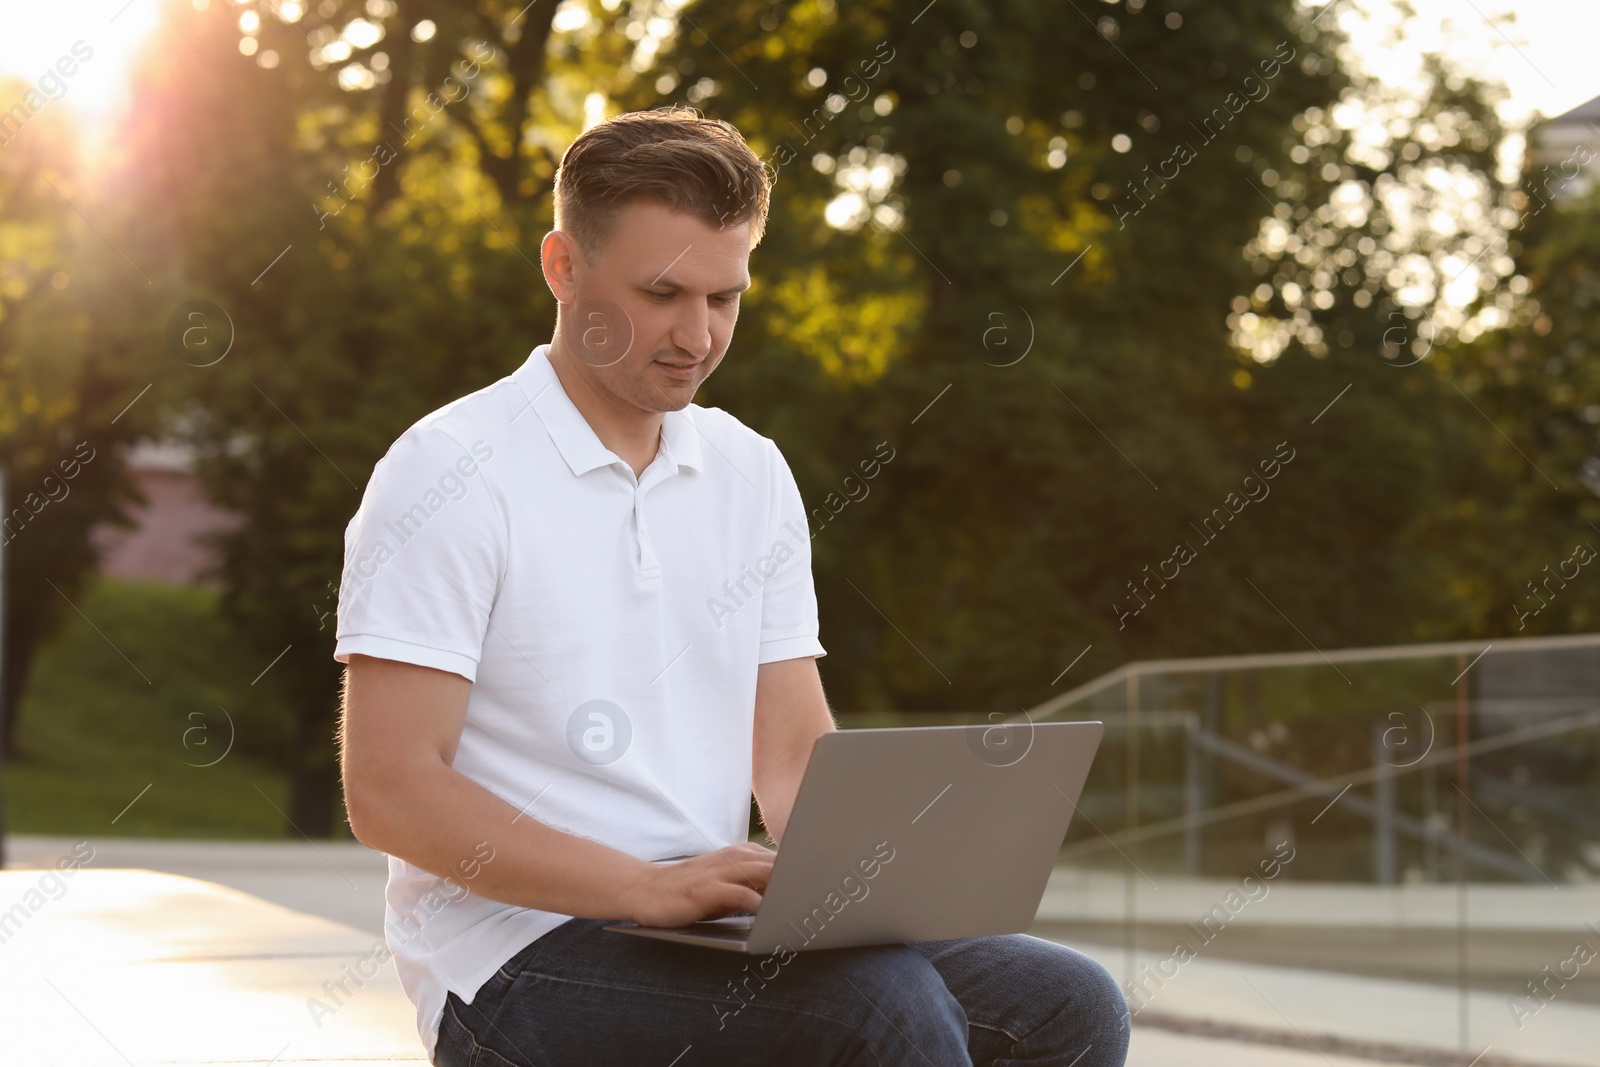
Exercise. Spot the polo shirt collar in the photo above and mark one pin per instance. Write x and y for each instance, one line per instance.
(576, 440)
(680, 438)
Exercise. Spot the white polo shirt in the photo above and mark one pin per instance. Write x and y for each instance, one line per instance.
(611, 626)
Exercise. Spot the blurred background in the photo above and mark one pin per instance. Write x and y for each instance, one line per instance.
(1249, 344)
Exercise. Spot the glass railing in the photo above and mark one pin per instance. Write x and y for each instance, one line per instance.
(1424, 816)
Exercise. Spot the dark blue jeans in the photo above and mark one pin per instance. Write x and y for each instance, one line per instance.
(582, 996)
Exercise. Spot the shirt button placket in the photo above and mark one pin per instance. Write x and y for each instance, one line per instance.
(649, 568)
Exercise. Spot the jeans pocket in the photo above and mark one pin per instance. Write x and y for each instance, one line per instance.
(454, 1046)
(457, 1046)
(513, 967)
(488, 1057)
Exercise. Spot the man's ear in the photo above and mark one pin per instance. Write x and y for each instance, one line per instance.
(560, 257)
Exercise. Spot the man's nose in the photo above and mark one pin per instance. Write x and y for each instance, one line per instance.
(692, 331)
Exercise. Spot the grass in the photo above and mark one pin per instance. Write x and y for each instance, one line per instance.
(123, 713)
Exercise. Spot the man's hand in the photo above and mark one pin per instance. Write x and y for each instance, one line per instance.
(706, 887)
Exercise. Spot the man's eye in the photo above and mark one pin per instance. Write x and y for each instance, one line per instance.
(659, 296)
(727, 301)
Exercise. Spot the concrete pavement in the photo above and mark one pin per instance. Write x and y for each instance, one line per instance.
(318, 908)
(110, 968)
(338, 880)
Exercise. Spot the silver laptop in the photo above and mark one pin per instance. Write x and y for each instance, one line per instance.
(913, 834)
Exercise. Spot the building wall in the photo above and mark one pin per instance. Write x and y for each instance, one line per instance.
(1564, 156)
(162, 545)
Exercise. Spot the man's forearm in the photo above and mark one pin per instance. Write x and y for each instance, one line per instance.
(791, 713)
(445, 823)
(776, 788)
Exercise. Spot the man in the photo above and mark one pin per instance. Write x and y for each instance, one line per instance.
(547, 695)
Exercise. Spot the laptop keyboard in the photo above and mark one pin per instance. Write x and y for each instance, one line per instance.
(728, 928)
(719, 933)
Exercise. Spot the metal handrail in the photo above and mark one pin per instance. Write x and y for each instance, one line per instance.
(1139, 668)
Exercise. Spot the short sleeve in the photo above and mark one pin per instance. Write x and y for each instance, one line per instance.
(424, 556)
(788, 597)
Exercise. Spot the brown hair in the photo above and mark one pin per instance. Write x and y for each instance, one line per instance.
(672, 155)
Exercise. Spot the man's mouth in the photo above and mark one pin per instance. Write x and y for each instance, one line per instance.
(680, 370)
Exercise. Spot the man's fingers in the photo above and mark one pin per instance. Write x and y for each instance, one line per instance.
(749, 862)
(756, 872)
(748, 899)
(752, 880)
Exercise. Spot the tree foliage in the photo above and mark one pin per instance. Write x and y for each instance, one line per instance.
(1077, 323)
(63, 382)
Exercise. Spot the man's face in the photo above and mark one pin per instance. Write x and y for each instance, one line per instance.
(651, 315)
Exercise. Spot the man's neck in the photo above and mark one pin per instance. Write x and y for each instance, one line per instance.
(632, 434)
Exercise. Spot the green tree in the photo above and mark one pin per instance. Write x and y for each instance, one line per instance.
(63, 385)
(370, 259)
(1005, 245)
(1088, 186)
(1535, 382)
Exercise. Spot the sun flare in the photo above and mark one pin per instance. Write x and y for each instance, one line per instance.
(70, 56)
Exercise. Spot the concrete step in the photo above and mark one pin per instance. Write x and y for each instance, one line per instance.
(120, 967)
